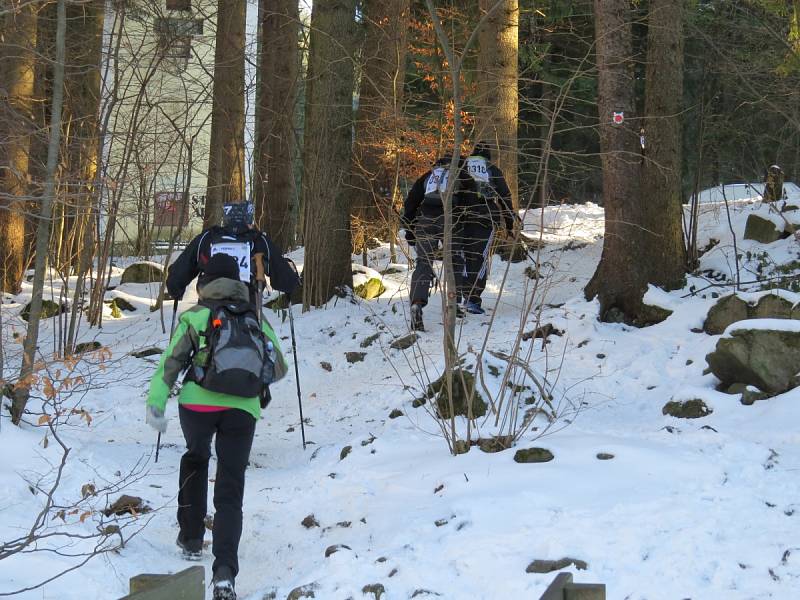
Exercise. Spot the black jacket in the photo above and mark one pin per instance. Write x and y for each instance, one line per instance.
(190, 263)
(493, 207)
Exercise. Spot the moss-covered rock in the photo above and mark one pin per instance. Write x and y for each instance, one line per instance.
(761, 230)
(405, 342)
(748, 394)
(548, 566)
(49, 309)
(303, 591)
(767, 359)
(533, 455)
(464, 392)
(771, 306)
(726, 311)
(142, 272)
(122, 304)
(396, 413)
(372, 288)
(369, 340)
(496, 444)
(376, 589)
(87, 347)
(686, 409)
(354, 357)
(345, 451)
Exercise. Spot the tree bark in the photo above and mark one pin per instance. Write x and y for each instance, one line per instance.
(379, 118)
(22, 392)
(498, 93)
(620, 279)
(17, 66)
(661, 172)
(226, 152)
(274, 188)
(328, 151)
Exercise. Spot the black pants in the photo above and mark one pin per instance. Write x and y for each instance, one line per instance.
(474, 240)
(429, 233)
(235, 430)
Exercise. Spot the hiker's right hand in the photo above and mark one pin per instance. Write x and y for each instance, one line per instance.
(410, 237)
(155, 418)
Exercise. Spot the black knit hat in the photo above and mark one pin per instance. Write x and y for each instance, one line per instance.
(220, 265)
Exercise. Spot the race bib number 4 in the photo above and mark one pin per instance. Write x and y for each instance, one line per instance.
(238, 250)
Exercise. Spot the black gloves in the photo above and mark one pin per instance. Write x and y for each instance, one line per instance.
(410, 237)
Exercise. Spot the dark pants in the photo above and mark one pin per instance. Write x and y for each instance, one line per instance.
(429, 233)
(235, 430)
(474, 241)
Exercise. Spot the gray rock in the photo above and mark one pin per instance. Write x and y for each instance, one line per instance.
(748, 395)
(326, 366)
(376, 589)
(533, 455)
(496, 444)
(761, 230)
(142, 273)
(604, 456)
(395, 413)
(405, 342)
(49, 309)
(688, 409)
(726, 311)
(771, 306)
(464, 395)
(144, 353)
(87, 347)
(368, 341)
(767, 359)
(548, 566)
(122, 304)
(335, 548)
(310, 522)
(354, 357)
(303, 591)
(345, 451)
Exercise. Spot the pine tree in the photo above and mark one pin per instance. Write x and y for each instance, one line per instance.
(17, 66)
(498, 96)
(226, 152)
(274, 189)
(328, 150)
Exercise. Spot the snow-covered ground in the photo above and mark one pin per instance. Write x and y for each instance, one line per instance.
(702, 509)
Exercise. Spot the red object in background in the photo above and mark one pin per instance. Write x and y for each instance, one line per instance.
(171, 209)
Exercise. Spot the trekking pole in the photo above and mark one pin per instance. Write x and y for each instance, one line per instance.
(296, 373)
(171, 331)
(294, 352)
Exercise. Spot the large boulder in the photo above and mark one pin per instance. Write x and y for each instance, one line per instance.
(49, 309)
(143, 272)
(731, 309)
(761, 230)
(757, 354)
(728, 310)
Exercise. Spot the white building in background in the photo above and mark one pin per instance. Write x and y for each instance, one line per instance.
(157, 99)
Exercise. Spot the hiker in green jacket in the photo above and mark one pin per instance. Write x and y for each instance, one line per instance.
(229, 361)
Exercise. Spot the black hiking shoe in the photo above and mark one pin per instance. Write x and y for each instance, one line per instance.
(416, 318)
(190, 549)
(223, 583)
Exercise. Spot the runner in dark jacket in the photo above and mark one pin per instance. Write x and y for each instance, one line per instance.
(238, 238)
(482, 205)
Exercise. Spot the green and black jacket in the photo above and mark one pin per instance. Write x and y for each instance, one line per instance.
(187, 340)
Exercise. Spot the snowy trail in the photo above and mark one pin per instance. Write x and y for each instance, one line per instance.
(706, 508)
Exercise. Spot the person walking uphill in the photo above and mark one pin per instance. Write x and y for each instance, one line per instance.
(229, 360)
(483, 205)
(423, 220)
(257, 255)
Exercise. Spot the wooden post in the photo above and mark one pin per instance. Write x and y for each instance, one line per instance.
(562, 588)
(188, 584)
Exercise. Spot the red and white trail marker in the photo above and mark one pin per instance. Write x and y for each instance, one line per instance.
(618, 118)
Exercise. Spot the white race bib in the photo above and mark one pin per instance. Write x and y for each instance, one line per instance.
(478, 169)
(238, 250)
(437, 181)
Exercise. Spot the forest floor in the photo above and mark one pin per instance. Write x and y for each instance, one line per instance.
(702, 509)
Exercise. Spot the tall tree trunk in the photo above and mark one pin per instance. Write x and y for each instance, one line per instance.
(327, 152)
(661, 172)
(621, 277)
(17, 65)
(274, 189)
(379, 118)
(498, 95)
(82, 116)
(226, 149)
(22, 392)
